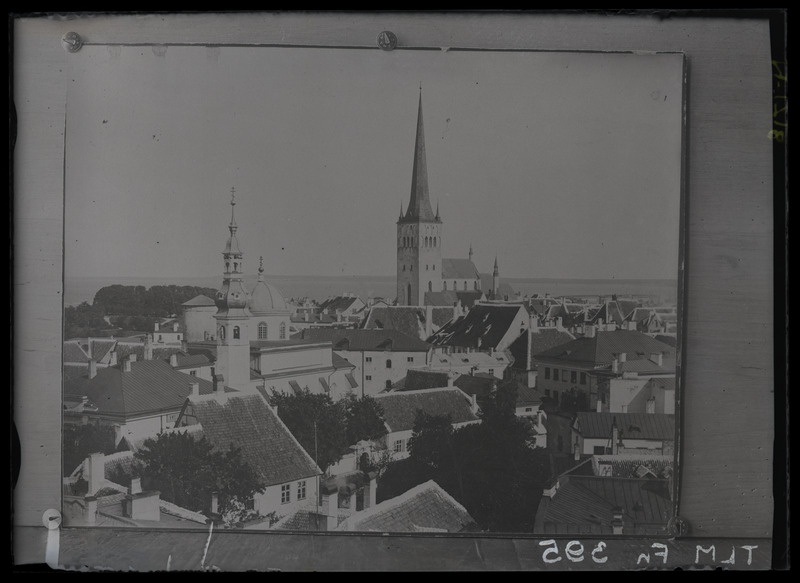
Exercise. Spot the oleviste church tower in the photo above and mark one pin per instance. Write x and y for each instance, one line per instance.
(419, 233)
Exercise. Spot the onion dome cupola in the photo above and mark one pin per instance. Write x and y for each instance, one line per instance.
(265, 299)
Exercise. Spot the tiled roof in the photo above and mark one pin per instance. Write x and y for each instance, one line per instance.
(338, 303)
(668, 340)
(400, 408)
(583, 505)
(441, 298)
(74, 353)
(198, 301)
(424, 379)
(645, 366)
(100, 347)
(191, 360)
(151, 386)
(125, 349)
(653, 426)
(163, 352)
(541, 339)
(662, 383)
(634, 466)
(340, 362)
(247, 422)
(604, 345)
(469, 297)
(478, 384)
(365, 340)
(626, 307)
(527, 396)
(487, 322)
(459, 269)
(424, 508)
(406, 319)
(303, 520)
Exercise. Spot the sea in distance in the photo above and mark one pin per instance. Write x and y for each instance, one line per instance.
(665, 291)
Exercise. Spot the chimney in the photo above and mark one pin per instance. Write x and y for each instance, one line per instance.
(148, 348)
(429, 321)
(450, 381)
(560, 323)
(173, 360)
(155, 327)
(94, 472)
(142, 505)
(305, 315)
(370, 490)
(92, 368)
(474, 404)
(600, 323)
(623, 356)
(616, 520)
(599, 407)
(614, 438)
(576, 452)
(175, 327)
(615, 366)
(195, 388)
(91, 510)
(219, 382)
(529, 349)
(330, 505)
(136, 486)
(590, 331)
(214, 502)
(184, 346)
(632, 326)
(113, 358)
(132, 358)
(127, 365)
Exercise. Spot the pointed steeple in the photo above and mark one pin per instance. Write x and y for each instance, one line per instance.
(437, 211)
(232, 247)
(495, 280)
(261, 268)
(470, 251)
(401, 210)
(419, 207)
(496, 268)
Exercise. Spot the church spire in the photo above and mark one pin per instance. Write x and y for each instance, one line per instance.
(232, 247)
(261, 268)
(419, 207)
(470, 251)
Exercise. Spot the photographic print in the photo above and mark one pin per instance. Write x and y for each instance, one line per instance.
(344, 290)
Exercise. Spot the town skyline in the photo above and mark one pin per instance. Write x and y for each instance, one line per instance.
(307, 234)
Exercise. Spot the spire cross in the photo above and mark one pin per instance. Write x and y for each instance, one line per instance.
(261, 264)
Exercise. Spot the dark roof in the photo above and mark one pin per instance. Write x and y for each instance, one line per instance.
(601, 348)
(338, 303)
(340, 362)
(583, 504)
(303, 520)
(364, 340)
(419, 206)
(504, 288)
(191, 360)
(487, 322)
(150, 386)
(668, 340)
(73, 352)
(662, 383)
(441, 298)
(198, 301)
(416, 380)
(527, 396)
(541, 339)
(247, 422)
(644, 366)
(626, 307)
(100, 347)
(459, 269)
(424, 508)
(400, 408)
(162, 352)
(351, 380)
(406, 319)
(469, 297)
(609, 312)
(125, 349)
(656, 426)
(478, 384)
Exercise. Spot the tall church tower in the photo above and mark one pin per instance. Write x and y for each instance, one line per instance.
(419, 234)
(233, 315)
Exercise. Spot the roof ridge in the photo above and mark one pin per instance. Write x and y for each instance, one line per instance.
(427, 391)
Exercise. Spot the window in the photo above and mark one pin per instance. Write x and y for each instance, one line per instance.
(563, 376)
(282, 331)
(555, 374)
(388, 384)
(368, 359)
(491, 371)
(369, 377)
(465, 285)
(301, 490)
(529, 409)
(236, 332)
(409, 359)
(262, 331)
(286, 495)
(250, 504)
(411, 268)
(160, 338)
(547, 373)
(475, 284)
(445, 286)
(430, 286)
(179, 336)
(192, 373)
(599, 450)
(404, 267)
(398, 446)
(547, 393)
(573, 377)
(388, 363)
(426, 267)
(433, 267)
(583, 378)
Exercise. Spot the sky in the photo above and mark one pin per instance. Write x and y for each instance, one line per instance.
(564, 165)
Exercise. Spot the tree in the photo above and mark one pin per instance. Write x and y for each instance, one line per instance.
(431, 440)
(319, 424)
(186, 470)
(364, 418)
(82, 440)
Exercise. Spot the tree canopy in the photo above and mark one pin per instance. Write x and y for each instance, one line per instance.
(186, 470)
(326, 429)
(82, 440)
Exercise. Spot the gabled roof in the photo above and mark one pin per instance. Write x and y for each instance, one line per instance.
(626, 307)
(199, 301)
(338, 303)
(340, 362)
(469, 298)
(424, 508)
(74, 353)
(459, 269)
(249, 423)
(652, 426)
(661, 383)
(100, 347)
(488, 323)
(409, 320)
(400, 408)
(601, 348)
(584, 504)
(441, 298)
(527, 396)
(541, 339)
(364, 340)
(151, 386)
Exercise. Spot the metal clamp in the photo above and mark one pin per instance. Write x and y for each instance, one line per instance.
(72, 42)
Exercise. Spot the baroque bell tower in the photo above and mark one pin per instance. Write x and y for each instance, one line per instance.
(419, 233)
(233, 315)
